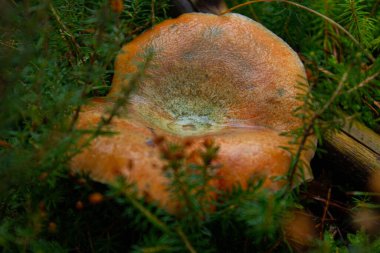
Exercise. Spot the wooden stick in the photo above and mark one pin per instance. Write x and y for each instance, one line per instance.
(357, 149)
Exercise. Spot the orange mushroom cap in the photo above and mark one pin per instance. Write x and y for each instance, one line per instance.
(225, 77)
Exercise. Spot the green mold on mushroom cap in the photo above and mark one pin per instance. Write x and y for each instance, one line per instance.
(187, 101)
(211, 72)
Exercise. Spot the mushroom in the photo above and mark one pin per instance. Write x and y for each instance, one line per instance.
(222, 77)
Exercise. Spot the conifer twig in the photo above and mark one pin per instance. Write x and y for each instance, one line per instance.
(159, 224)
(153, 15)
(331, 21)
(309, 128)
(331, 203)
(321, 69)
(149, 215)
(9, 45)
(185, 240)
(326, 208)
(72, 44)
(66, 33)
(363, 83)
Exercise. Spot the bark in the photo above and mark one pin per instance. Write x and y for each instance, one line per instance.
(355, 150)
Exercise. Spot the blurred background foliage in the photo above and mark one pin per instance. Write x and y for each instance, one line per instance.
(55, 55)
